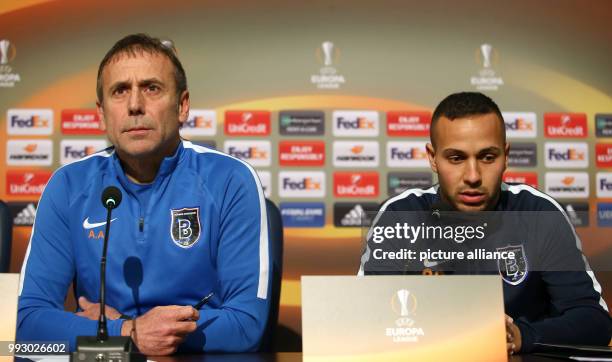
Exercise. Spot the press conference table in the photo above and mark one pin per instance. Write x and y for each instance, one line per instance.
(291, 357)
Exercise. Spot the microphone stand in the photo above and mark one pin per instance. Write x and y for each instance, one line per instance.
(102, 348)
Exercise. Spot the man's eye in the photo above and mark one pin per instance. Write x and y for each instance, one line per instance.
(119, 91)
(152, 88)
(489, 158)
(455, 159)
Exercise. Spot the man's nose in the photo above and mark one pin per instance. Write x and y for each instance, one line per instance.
(472, 175)
(136, 103)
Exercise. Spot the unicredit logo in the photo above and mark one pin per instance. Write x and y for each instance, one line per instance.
(26, 182)
(247, 123)
(349, 184)
(565, 124)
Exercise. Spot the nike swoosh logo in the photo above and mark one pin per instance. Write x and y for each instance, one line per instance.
(87, 225)
(430, 264)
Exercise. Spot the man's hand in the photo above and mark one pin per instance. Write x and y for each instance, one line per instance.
(159, 331)
(513, 336)
(92, 310)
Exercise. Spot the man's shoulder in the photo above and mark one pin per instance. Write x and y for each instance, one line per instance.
(522, 197)
(411, 200)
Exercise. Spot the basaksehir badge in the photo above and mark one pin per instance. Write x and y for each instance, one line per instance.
(513, 271)
(185, 226)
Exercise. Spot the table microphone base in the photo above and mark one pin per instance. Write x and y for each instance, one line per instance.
(115, 349)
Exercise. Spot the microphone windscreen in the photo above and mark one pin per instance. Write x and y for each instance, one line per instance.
(111, 197)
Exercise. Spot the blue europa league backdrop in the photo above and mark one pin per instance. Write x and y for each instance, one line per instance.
(329, 100)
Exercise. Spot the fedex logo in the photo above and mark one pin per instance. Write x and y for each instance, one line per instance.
(73, 150)
(81, 121)
(301, 184)
(356, 184)
(201, 122)
(301, 153)
(566, 155)
(528, 178)
(565, 125)
(407, 154)
(604, 184)
(355, 123)
(29, 121)
(26, 183)
(266, 182)
(257, 153)
(408, 124)
(603, 154)
(520, 124)
(247, 123)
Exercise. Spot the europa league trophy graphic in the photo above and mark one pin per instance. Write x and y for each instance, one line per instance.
(4, 47)
(402, 296)
(328, 48)
(486, 49)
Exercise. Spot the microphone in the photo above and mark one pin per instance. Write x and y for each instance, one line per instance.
(111, 198)
(102, 348)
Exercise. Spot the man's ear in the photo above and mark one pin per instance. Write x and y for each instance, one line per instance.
(431, 154)
(100, 111)
(506, 154)
(183, 107)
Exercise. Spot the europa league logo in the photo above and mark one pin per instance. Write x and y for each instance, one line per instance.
(328, 49)
(402, 296)
(4, 49)
(486, 51)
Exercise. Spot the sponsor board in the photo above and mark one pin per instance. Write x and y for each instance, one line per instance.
(528, 178)
(26, 183)
(603, 154)
(301, 153)
(356, 154)
(201, 122)
(81, 122)
(398, 182)
(354, 214)
(23, 213)
(74, 150)
(523, 155)
(520, 124)
(247, 123)
(604, 214)
(29, 152)
(29, 121)
(603, 125)
(356, 184)
(306, 184)
(408, 124)
(565, 125)
(355, 123)
(266, 182)
(566, 155)
(302, 214)
(604, 184)
(577, 212)
(407, 154)
(567, 184)
(301, 123)
(256, 153)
